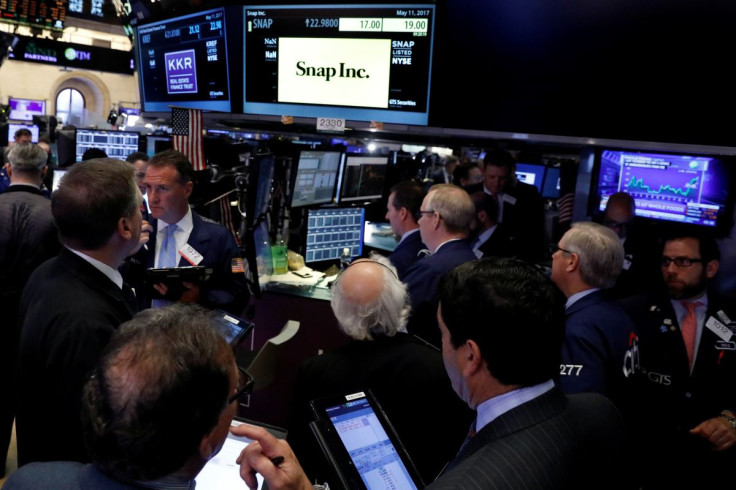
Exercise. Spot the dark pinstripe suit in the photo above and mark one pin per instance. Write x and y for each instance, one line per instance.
(551, 442)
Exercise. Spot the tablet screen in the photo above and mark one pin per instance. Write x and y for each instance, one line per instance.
(221, 472)
(368, 445)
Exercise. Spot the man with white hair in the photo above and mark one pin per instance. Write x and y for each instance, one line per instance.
(600, 349)
(444, 224)
(27, 239)
(371, 307)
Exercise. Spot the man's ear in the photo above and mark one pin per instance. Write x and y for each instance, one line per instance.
(473, 359)
(188, 188)
(572, 263)
(711, 268)
(125, 227)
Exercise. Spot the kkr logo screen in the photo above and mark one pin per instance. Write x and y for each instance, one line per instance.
(329, 71)
(358, 62)
(183, 62)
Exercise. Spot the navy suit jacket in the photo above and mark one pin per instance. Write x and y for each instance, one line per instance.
(523, 220)
(422, 280)
(551, 442)
(407, 253)
(599, 338)
(225, 289)
(499, 244)
(64, 475)
(672, 400)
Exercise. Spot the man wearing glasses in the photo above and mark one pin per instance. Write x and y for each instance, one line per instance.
(599, 337)
(688, 355)
(150, 419)
(444, 223)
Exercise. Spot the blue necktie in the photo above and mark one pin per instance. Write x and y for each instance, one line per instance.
(167, 257)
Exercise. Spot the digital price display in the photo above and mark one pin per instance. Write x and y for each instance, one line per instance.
(359, 62)
(44, 13)
(183, 62)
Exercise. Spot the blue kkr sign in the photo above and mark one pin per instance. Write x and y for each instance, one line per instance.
(181, 72)
(72, 55)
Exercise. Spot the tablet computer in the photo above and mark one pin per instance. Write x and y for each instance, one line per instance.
(222, 472)
(360, 443)
(174, 277)
(232, 327)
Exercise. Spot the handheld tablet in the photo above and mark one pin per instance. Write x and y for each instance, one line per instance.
(361, 444)
(222, 472)
(233, 328)
(174, 277)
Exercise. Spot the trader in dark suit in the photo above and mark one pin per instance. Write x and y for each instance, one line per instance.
(371, 306)
(444, 224)
(521, 208)
(489, 237)
(402, 211)
(73, 303)
(502, 328)
(687, 404)
(182, 238)
(640, 272)
(599, 337)
(27, 239)
(150, 419)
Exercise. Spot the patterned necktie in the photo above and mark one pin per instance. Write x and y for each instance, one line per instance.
(690, 329)
(167, 255)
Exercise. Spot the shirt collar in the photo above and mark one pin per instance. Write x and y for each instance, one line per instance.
(112, 274)
(578, 296)
(185, 224)
(406, 234)
(485, 235)
(491, 409)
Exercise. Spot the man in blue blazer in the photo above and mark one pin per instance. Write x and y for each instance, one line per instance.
(600, 339)
(444, 224)
(402, 211)
(502, 327)
(193, 240)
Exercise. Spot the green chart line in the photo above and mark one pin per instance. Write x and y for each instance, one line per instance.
(639, 184)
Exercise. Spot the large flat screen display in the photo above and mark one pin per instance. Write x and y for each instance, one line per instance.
(363, 178)
(332, 230)
(359, 62)
(687, 189)
(25, 109)
(183, 62)
(12, 128)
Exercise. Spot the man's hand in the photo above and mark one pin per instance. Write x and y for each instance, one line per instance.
(146, 229)
(718, 431)
(191, 295)
(259, 456)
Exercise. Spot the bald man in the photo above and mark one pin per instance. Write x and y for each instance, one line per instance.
(640, 271)
(371, 307)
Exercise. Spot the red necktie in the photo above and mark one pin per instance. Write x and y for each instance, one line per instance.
(690, 329)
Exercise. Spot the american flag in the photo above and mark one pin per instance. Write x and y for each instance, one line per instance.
(186, 128)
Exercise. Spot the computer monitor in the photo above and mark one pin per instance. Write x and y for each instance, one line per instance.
(8, 132)
(25, 109)
(363, 178)
(157, 144)
(316, 175)
(331, 230)
(116, 144)
(530, 174)
(679, 188)
(551, 186)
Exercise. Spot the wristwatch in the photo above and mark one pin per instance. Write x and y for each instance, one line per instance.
(729, 417)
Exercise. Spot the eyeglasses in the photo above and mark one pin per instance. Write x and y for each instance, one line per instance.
(680, 261)
(429, 211)
(616, 224)
(553, 247)
(245, 385)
